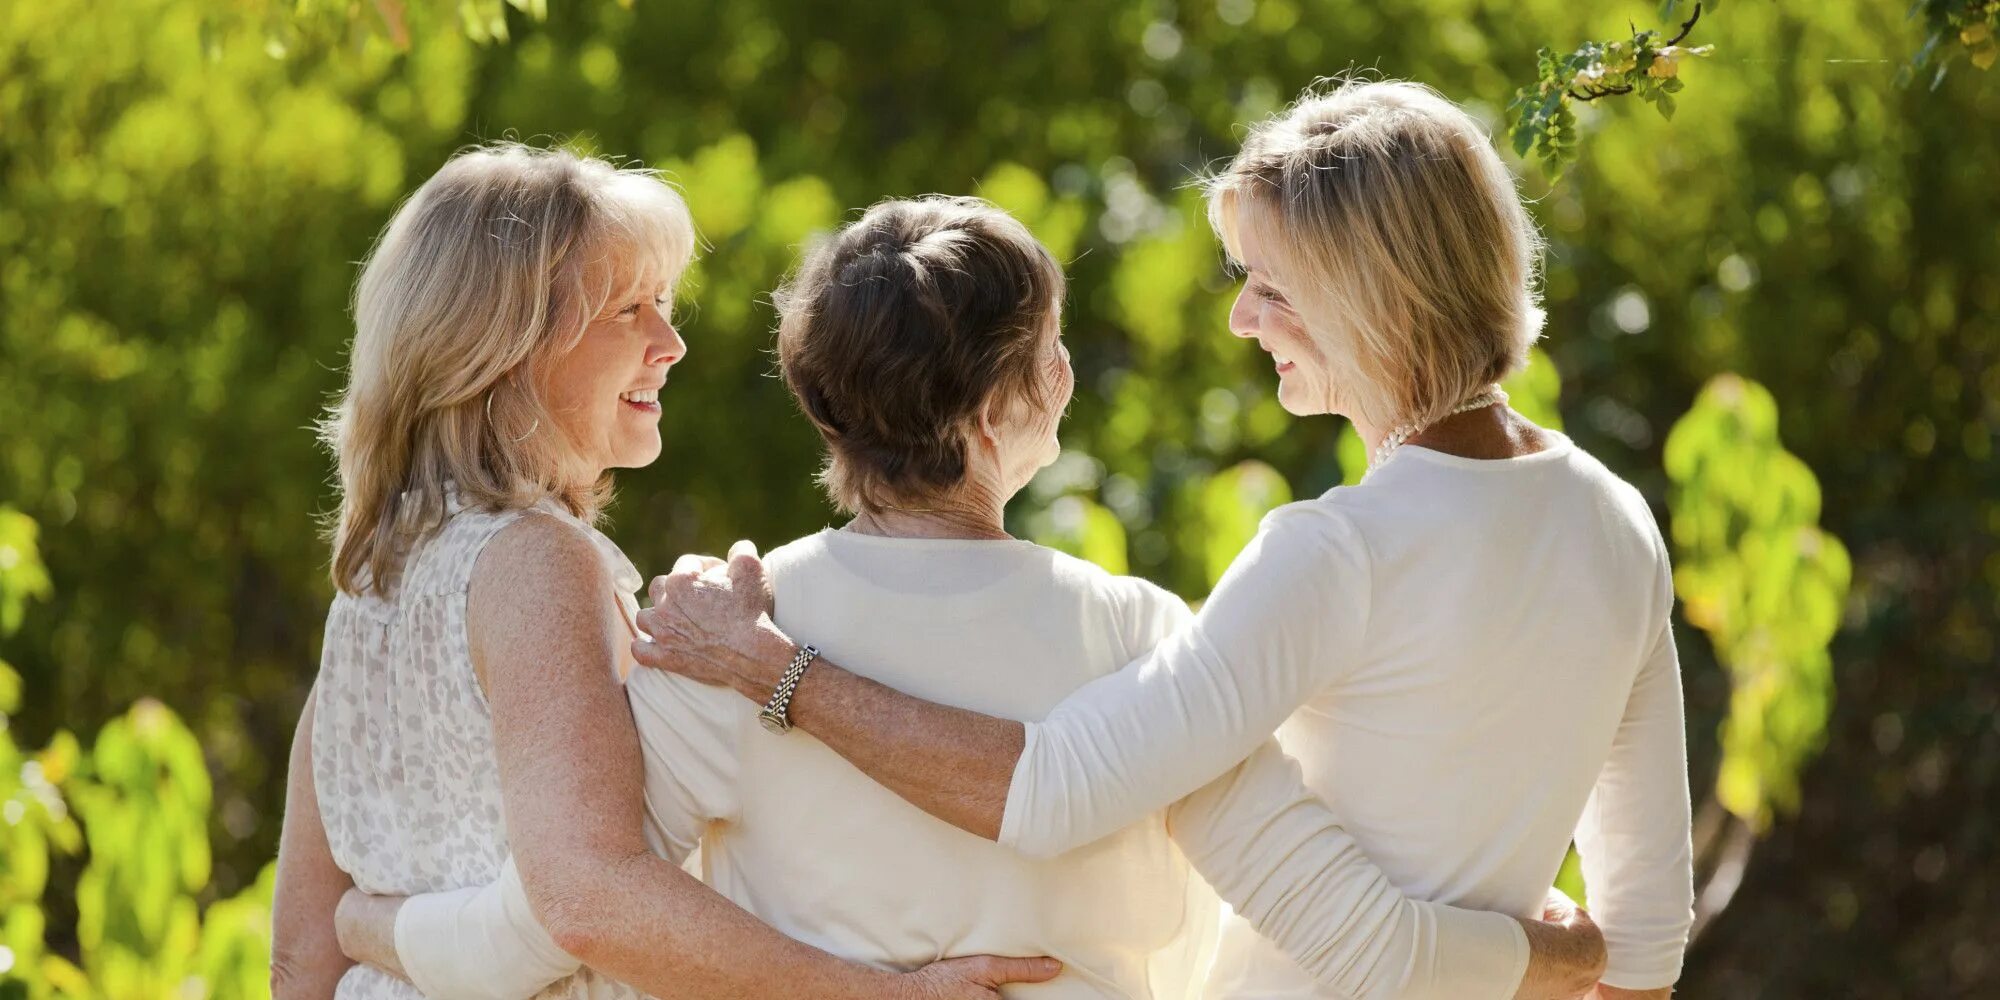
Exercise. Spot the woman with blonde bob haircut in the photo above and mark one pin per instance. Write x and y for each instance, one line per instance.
(1469, 652)
(511, 340)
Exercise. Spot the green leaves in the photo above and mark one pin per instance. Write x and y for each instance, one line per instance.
(1754, 570)
(1233, 503)
(1646, 64)
(22, 575)
(1954, 27)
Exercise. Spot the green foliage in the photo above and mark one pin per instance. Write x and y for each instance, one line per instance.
(182, 212)
(1974, 25)
(140, 801)
(1647, 65)
(1756, 573)
(1233, 503)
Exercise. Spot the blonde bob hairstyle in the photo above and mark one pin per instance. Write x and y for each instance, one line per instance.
(1393, 229)
(486, 275)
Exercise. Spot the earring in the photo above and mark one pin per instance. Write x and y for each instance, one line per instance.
(531, 427)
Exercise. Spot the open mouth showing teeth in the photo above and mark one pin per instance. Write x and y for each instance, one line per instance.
(642, 397)
(1283, 362)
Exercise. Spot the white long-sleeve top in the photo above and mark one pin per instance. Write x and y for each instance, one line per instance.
(796, 835)
(1472, 660)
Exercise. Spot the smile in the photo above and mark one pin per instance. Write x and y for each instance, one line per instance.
(643, 400)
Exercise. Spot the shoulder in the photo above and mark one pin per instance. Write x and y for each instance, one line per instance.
(537, 544)
(794, 554)
(1146, 612)
(539, 572)
(1331, 523)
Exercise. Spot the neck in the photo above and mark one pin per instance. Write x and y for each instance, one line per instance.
(966, 517)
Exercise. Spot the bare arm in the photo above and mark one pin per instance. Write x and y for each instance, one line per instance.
(306, 960)
(545, 633)
(1614, 993)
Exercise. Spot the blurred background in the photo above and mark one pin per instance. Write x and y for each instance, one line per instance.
(1778, 314)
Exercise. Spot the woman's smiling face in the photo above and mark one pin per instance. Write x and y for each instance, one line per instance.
(605, 392)
(1264, 314)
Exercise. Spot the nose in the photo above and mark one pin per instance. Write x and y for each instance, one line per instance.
(1245, 315)
(664, 345)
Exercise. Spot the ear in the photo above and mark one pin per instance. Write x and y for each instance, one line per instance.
(984, 427)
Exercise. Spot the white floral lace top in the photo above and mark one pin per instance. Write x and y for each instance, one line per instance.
(402, 742)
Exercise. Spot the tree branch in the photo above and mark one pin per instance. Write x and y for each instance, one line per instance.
(1687, 26)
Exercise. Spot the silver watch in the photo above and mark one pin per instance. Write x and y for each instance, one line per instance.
(777, 715)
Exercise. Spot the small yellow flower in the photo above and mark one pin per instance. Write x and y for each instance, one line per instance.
(1974, 34)
(1665, 65)
(1985, 55)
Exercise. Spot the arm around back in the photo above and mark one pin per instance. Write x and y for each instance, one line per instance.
(545, 636)
(306, 960)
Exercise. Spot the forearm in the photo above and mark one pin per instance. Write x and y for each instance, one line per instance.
(306, 960)
(366, 927)
(1616, 993)
(1281, 859)
(1563, 961)
(949, 762)
(644, 922)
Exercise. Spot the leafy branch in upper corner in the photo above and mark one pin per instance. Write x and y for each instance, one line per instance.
(1976, 25)
(1647, 65)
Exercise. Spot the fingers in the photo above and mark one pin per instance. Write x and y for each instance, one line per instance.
(997, 970)
(746, 571)
(696, 563)
(1558, 907)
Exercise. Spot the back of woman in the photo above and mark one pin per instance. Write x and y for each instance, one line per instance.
(488, 386)
(923, 341)
(1508, 612)
(403, 755)
(821, 852)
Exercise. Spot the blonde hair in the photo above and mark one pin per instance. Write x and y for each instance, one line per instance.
(1397, 234)
(485, 275)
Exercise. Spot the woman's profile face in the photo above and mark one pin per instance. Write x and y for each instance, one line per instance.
(1262, 313)
(605, 392)
(1029, 439)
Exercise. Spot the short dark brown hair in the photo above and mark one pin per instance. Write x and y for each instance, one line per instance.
(896, 330)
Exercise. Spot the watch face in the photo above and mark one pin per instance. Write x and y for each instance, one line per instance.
(773, 723)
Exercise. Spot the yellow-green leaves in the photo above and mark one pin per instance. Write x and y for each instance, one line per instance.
(1233, 503)
(1970, 26)
(1085, 529)
(22, 577)
(1647, 65)
(1755, 571)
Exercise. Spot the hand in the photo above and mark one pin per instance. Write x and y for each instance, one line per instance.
(1558, 908)
(974, 978)
(1566, 951)
(1604, 992)
(365, 926)
(712, 623)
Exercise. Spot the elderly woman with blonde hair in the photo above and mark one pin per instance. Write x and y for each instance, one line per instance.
(511, 341)
(1469, 653)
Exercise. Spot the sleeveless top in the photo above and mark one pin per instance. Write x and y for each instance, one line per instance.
(409, 788)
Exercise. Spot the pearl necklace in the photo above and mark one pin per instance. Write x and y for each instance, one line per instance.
(1493, 394)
